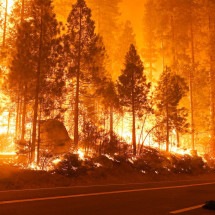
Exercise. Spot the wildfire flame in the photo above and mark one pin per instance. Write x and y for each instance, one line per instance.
(81, 153)
(123, 127)
(10, 5)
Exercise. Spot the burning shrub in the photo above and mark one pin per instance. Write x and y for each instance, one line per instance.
(142, 165)
(104, 161)
(187, 164)
(110, 146)
(181, 163)
(210, 161)
(70, 165)
(152, 160)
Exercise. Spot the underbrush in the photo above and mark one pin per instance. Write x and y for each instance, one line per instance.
(150, 162)
(151, 165)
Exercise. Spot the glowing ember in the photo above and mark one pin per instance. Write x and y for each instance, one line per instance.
(34, 166)
(56, 161)
(81, 153)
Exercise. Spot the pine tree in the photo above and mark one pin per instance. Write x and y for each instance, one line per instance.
(169, 92)
(34, 63)
(21, 72)
(46, 31)
(133, 89)
(110, 102)
(19, 13)
(80, 43)
(106, 14)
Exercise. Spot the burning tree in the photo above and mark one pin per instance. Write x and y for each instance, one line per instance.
(133, 89)
(83, 53)
(34, 64)
(169, 92)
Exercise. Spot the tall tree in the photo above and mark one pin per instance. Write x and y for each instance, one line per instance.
(106, 14)
(133, 89)
(110, 100)
(80, 42)
(19, 14)
(33, 59)
(169, 92)
(22, 74)
(46, 31)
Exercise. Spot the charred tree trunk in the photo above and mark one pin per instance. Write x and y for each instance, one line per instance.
(24, 113)
(37, 91)
(38, 134)
(111, 124)
(191, 87)
(167, 116)
(167, 127)
(17, 116)
(133, 120)
(76, 113)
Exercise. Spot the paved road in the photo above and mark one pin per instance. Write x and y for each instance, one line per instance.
(162, 198)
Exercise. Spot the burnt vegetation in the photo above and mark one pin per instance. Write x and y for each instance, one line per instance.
(82, 98)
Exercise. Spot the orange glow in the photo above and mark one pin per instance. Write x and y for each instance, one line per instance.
(129, 10)
(56, 161)
(34, 166)
(81, 153)
(10, 5)
(7, 153)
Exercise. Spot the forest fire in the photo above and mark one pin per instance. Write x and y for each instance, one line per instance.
(73, 102)
(99, 98)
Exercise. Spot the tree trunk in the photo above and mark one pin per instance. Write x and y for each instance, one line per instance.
(167, 127)
(111, 124)
(36, 98)
(167, 117)
(133, 120)
(38, 136)
(24, 113)
(17, 116)
(191, 86)
(76, 111)
(134, 133)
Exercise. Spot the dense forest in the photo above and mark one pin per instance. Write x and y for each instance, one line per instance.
(79, 65)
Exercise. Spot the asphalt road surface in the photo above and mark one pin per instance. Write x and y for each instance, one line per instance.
(157, 198)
